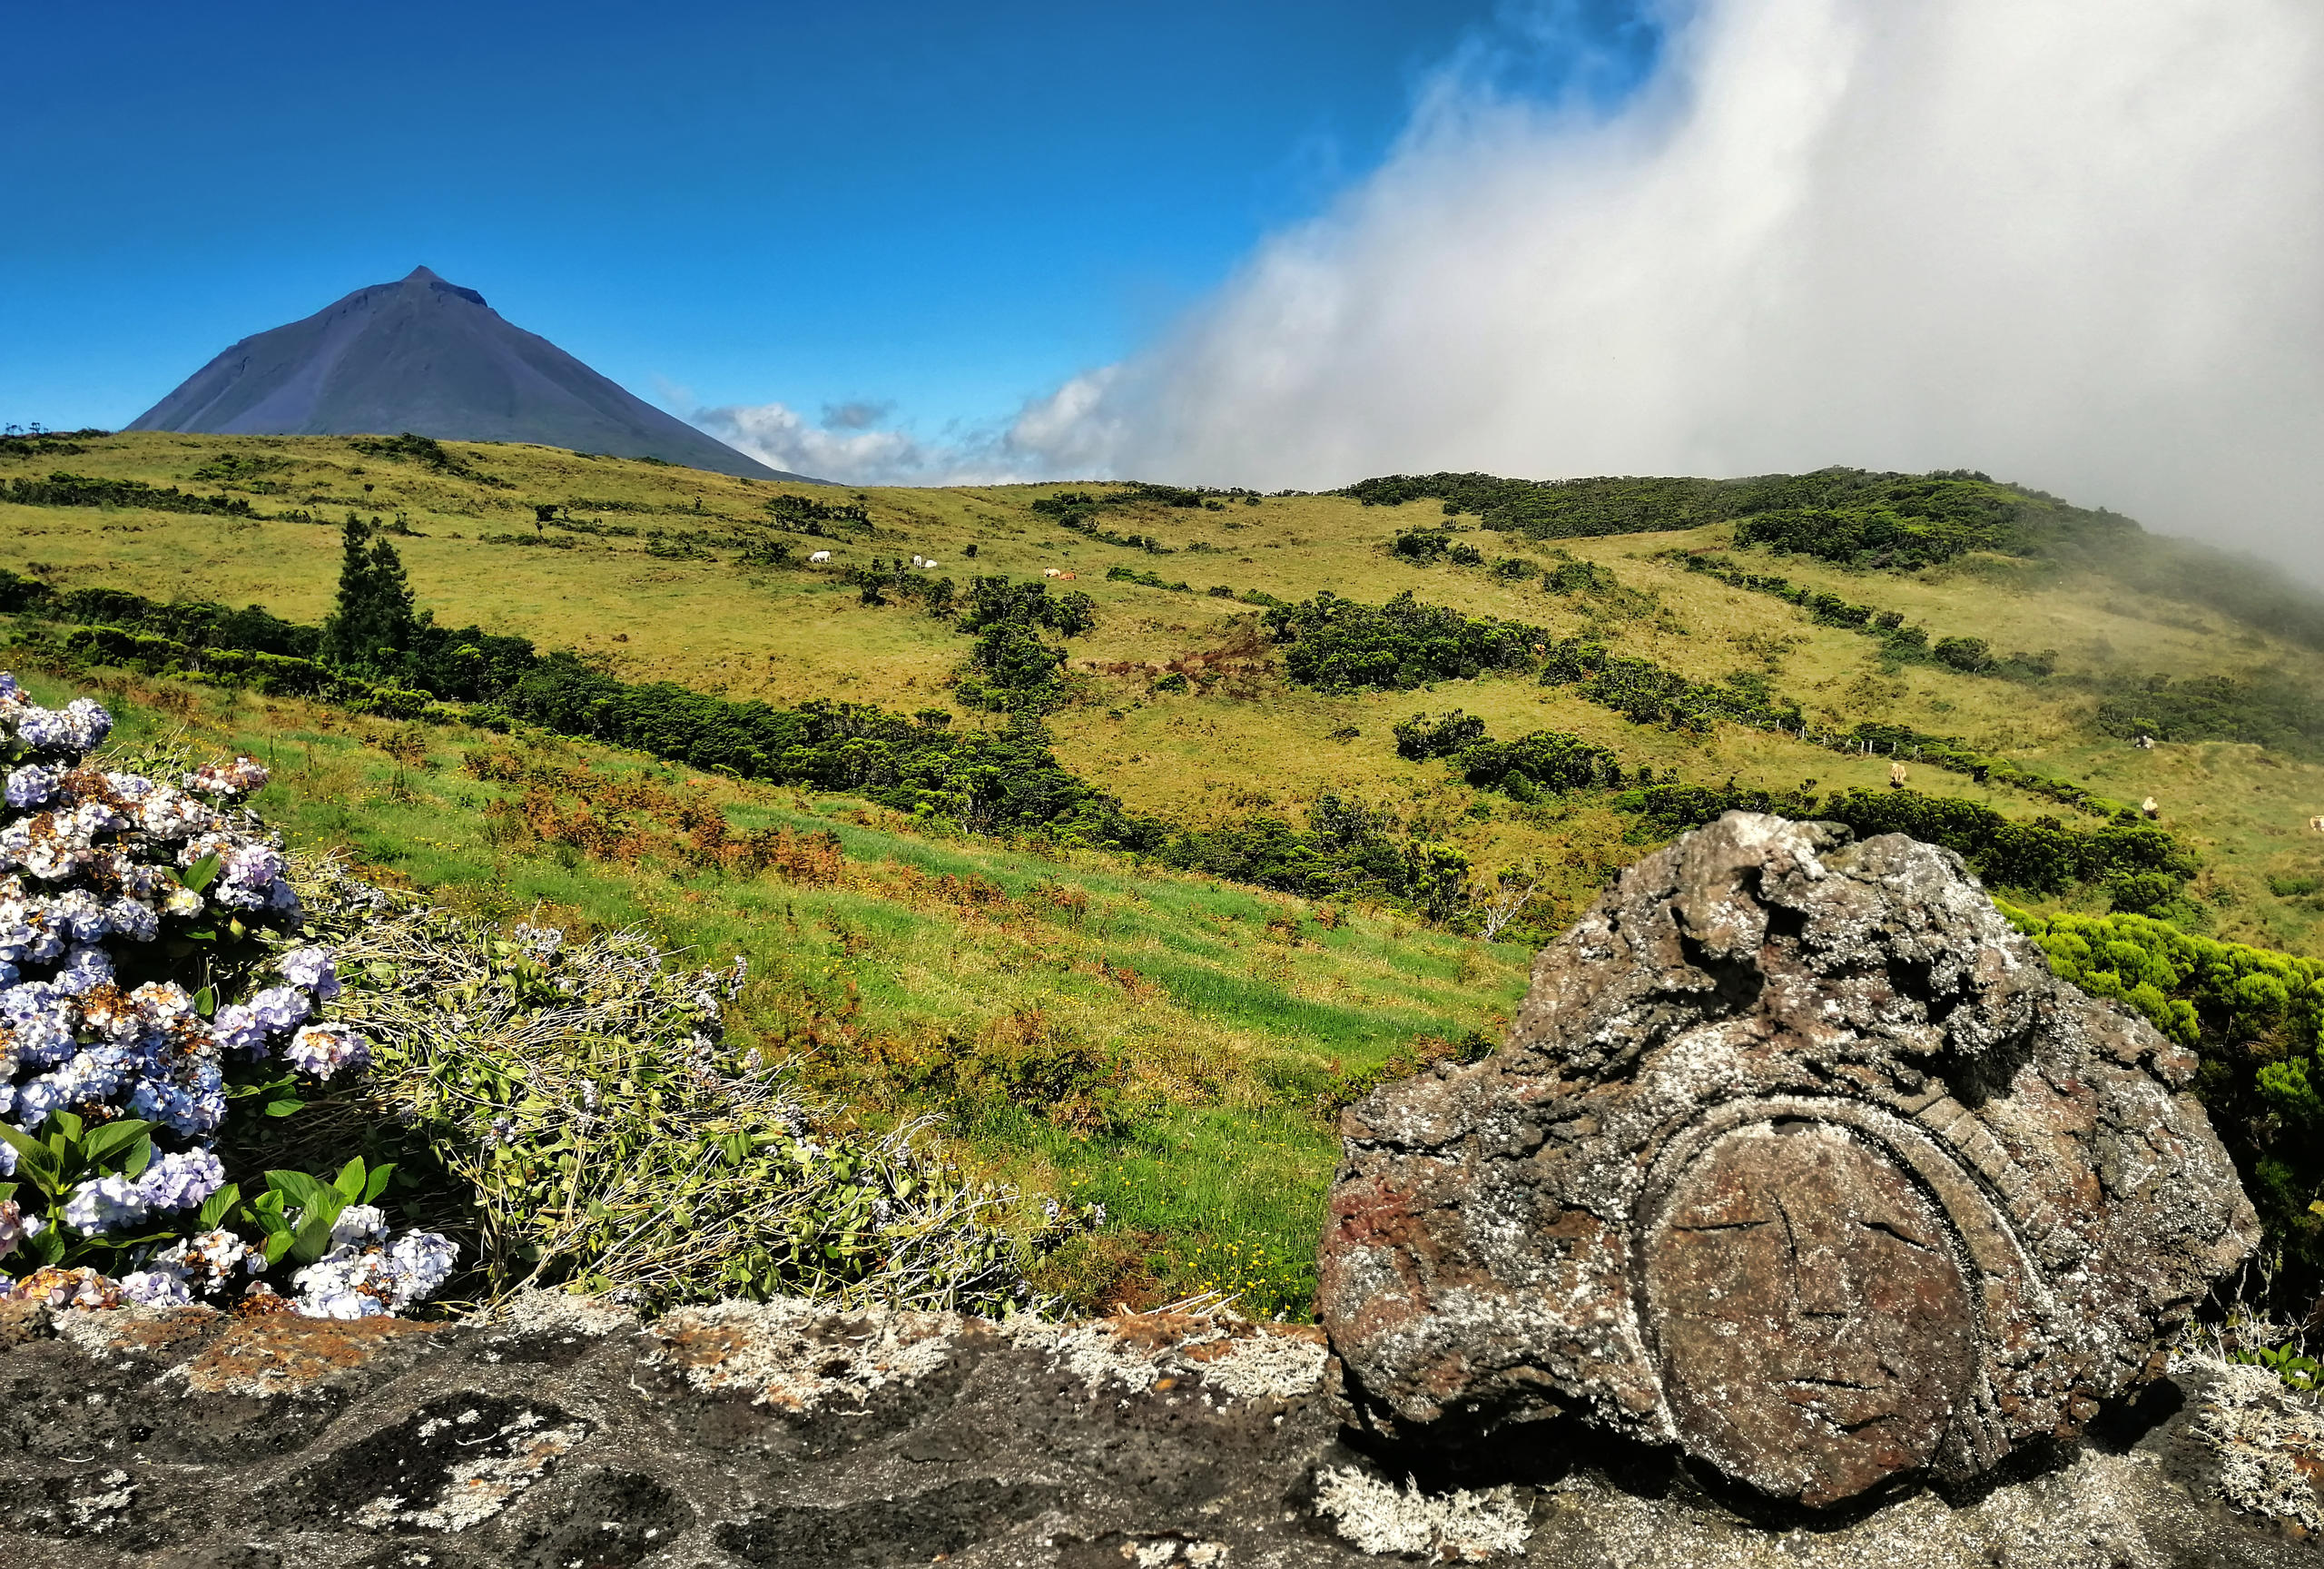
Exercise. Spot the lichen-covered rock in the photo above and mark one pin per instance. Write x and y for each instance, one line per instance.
(563, 1432)
(1797, 1157)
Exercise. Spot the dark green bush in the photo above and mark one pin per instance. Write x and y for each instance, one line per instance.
(1421, 738)
(1342, 645)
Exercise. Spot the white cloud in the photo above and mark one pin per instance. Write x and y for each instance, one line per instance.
(846, 446)
(2078, 243)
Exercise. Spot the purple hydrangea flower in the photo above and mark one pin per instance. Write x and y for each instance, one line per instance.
(181, 1180)
(312, 969)
(30, 786)
(134, 919)
(358, 1224)
(236, 1028)
(278, 1008)
(159, 1284)
(322, 1050)
(423, 1262)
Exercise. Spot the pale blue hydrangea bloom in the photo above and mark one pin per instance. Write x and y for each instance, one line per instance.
(181, 1180)
(311, 970)
(104, 1204)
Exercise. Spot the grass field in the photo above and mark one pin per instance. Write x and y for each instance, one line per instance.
(1251, 742)
(1164, 1045)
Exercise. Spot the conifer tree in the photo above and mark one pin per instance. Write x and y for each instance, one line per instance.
(373, 620)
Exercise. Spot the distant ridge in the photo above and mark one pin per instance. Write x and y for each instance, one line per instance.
(431, 358)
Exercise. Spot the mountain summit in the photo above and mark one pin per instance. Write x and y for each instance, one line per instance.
(432, 358)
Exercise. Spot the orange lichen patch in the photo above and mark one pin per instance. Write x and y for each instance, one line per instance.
(149, 1333)
(797, 1356)
(1211, 1350)
(1159, 1351)
(1160, 1331)
(284, 1352)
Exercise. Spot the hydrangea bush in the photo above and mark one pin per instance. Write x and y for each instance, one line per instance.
(149, 980)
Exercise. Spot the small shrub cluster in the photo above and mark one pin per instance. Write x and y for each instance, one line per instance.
(1012, 665)
(429, 453)
(1147, 580)
(1348, 849)
(244, 472)
(2270, 709)
(15, 441)
(1892, 520)
(1343, 644)
(1420, 737)
(801, 512)
(1646, 693)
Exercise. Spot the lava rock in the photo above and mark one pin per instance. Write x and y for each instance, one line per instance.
(1797, 1158)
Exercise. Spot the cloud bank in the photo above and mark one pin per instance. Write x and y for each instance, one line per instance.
(849, 445)
(2074, 242)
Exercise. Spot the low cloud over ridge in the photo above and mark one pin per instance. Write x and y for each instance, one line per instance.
(2074, 242)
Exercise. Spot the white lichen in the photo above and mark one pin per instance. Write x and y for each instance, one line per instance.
(2267, 1439)
(1458, 1525)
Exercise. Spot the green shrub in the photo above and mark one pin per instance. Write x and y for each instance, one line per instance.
(1420, 737)
(2256, 1019)
(1341, 645)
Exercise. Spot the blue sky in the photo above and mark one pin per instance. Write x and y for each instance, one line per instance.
(946, 208)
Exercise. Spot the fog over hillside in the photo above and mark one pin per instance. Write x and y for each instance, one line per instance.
(2075, 244)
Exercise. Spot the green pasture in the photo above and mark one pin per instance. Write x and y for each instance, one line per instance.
(1221, 1032)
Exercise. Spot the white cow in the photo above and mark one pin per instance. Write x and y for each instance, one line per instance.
(2317, 823)
(2150, 806)
(1049, 572)
(819, 556)
(930, 565)
(918, 562)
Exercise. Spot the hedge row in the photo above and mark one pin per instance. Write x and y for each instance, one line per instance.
(1971, 655)
(79, 491)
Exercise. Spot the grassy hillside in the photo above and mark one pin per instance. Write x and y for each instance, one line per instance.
(1170, 1047)
(647, 569)
(1096, 1026)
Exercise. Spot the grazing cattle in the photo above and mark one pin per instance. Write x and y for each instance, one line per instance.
(2150, 806)
(916, 561)
(1051, 572)
(1896, 775)
(2144, 743)
(1065, 577)
(2317, 823)
(930, 565)
(819, 556)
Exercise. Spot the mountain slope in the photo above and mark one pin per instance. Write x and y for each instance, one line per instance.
(431, 358)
